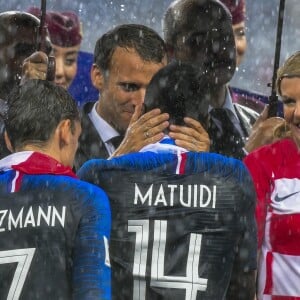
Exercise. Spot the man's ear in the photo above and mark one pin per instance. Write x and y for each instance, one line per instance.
(97, 77)
(64, 132)
(8, 142)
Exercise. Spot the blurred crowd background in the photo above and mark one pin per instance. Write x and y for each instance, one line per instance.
(255, 72)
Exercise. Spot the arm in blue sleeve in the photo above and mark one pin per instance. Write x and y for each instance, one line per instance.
(242, 283)
(91, 269)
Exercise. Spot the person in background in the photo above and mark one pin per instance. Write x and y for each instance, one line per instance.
(244, 97)
(18, 41)
(125, 59)
(55, 228)
(262, 131)
(19, 59)
(183, 224)
(275, 169)
(237, 9)
(200, 32)
(66, 36)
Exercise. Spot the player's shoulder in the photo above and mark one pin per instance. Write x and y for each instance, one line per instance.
(207, 161)
(195, 162)
(138, 161)
(81, 191)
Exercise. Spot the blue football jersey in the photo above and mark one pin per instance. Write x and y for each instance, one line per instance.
(54, 232)
(180, 223)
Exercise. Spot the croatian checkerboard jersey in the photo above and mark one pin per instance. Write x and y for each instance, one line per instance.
(54, 232)
(180, 222)
(276, 173)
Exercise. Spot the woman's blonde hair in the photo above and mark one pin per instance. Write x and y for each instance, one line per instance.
(290, 68)
(281, 131)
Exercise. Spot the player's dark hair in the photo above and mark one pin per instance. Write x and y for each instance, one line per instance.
(144, 40)
(35, 109)
(180, 90)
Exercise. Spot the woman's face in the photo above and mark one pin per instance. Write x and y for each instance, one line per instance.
(290, 91)
(66, 64)
(240, 41)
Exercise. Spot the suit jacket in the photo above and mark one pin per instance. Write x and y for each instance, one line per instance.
(90, 143)
(232, 144)
(246, 116)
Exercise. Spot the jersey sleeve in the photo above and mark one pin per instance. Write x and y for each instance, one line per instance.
(254, 162)
(247, 249)
(242, 282)
(91, 270)
(89, 171)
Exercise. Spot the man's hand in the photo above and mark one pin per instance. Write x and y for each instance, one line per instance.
(263, 131)
(35, 66)
(143, 130)
(192, 137)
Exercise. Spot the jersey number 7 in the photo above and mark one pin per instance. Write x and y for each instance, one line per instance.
(23, 257)
(191, 282)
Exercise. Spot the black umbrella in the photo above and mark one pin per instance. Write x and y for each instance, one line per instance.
(41, 42)
(273, 99)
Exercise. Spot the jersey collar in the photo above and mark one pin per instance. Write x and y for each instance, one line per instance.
(30, 162)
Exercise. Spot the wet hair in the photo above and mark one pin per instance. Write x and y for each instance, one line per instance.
(35, 109)
(181, 91)
(290, 68)
(181, 13)
(144, 40)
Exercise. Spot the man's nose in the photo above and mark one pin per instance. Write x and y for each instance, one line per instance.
(139, 96)
(297, 109)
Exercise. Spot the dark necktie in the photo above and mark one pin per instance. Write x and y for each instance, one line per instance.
(227, 141)
(116, 141)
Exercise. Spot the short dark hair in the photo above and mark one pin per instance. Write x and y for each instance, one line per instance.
(144, 40)
(180, 90)
(180, 14)
(35, 109)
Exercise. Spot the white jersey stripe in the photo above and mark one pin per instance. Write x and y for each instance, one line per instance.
(179, 160)
(13, 183)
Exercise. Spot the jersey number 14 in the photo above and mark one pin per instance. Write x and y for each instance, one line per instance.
(191, 282)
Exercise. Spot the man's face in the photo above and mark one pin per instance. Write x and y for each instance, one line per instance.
(207, 41)
(124, 86)
(16, 43)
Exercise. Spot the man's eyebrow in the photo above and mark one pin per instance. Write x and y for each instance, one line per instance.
(124, 82)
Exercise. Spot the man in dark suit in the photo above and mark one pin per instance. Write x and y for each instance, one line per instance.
(18, 57)
(203, 36)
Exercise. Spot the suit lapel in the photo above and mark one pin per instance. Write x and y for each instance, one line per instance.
(90, 144)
